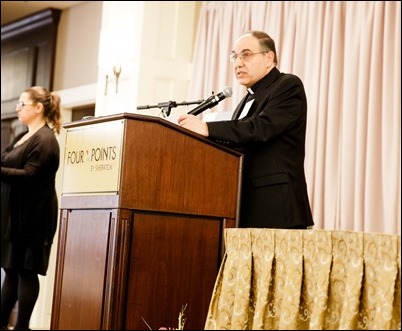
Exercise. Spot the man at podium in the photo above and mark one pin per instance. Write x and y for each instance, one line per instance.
(268, 126)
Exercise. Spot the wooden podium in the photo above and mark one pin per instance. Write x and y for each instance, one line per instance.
(143, 209)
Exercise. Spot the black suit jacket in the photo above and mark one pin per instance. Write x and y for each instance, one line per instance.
(272, 138)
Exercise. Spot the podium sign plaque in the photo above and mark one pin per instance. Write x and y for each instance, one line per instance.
(93, 159)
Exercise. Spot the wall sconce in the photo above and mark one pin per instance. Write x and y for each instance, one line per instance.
(116, 73)
(106, 82)
(114, 52)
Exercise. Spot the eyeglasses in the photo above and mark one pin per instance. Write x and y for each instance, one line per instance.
(21, 104)
(244, 56)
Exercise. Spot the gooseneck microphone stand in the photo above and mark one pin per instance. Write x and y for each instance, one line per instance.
(166, 107)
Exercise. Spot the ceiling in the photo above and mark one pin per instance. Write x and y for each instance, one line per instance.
(14, 10)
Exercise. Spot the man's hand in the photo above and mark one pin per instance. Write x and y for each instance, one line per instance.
(193, 123)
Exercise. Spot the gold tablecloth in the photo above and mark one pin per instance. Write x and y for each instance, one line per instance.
(274, 279)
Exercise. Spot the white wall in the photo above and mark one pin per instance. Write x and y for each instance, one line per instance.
(77, 46)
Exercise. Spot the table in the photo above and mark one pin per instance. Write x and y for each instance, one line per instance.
(274, 279)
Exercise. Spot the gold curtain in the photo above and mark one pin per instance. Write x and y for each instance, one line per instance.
(273, 279)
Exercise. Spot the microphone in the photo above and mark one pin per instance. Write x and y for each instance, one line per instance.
(212, 101)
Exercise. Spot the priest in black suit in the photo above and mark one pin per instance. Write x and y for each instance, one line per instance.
(269, 128)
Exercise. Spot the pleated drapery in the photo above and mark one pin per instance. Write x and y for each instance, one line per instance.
(307, 280)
